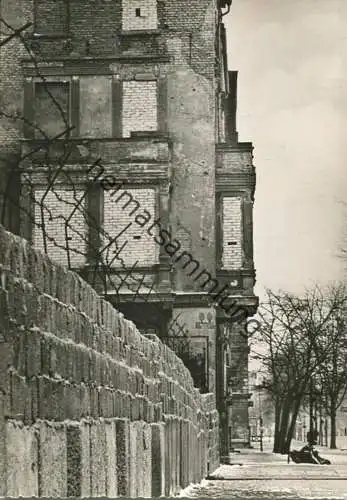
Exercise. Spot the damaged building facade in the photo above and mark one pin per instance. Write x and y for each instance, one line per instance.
(120, 158)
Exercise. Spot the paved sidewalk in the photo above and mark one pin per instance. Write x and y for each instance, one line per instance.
(257, 475)
(259, 490)
(280, 471)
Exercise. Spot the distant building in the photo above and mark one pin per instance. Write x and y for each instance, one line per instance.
(144, 86)
(262, 410)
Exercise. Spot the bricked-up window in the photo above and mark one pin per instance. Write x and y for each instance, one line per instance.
(124, 212)
(65, 228)
(51, 108)
(140, 107)
(232, 232)
(139, 15)
(95, 106)
(51, 17)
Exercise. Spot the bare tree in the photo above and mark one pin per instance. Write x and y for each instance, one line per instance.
(294, 331)
(332, 375)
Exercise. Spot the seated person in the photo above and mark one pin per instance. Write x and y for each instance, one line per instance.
(309, 450)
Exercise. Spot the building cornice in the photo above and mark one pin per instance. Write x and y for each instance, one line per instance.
(61, 66)
(240, 146)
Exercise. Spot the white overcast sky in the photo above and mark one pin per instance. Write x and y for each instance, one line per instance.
(292, 104)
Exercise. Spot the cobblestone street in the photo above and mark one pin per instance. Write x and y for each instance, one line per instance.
(253, 474)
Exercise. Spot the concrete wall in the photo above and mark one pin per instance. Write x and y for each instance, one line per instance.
(88, 406)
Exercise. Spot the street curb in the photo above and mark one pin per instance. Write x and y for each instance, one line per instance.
(282, 478)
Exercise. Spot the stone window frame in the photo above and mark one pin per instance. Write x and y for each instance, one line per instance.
(51, 32)
(29, 103)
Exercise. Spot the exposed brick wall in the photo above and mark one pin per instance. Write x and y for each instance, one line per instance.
(138, 244)
(88, 406)
(232, 232)
(11, 82)
(146, 18)
(45, 11)
(139, 106)
(62, 227)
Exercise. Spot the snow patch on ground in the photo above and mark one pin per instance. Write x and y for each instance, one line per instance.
(187, 492)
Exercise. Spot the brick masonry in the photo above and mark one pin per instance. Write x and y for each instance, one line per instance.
(139, 107)
(232, 233)
(139, 15)
(65, 228)
(136, 243)
(88, 406)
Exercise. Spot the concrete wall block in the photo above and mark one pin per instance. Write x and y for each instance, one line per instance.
(98, 451)
(5, 247)
(52, 460)
(105, 372)
(35, 274)
(34, 400)
(18, 257)
(16, 299)
(109, 344)
(78, 459)
(185, 454)
(73, 402)
(177, 454)
(146, 468)
(168, 457)
(20, 397)
(123, 462)
(45, 317)
(48, 355)
(117, 411)
(82, 364)
(127, 406)
(85, 400)
(106, 408)
(191, 453)
(94, 402)
(111, 459)
(21, 461)
(3, 425)
(54, 399)
(158, 459)
(4, 312)
(135, 457)
(135, 409)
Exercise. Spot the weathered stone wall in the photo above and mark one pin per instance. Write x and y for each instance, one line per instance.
(89, 406)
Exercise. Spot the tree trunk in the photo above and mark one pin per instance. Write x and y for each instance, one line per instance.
(291, 427)
(333, 428)
(278, 408)
(284, 425)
